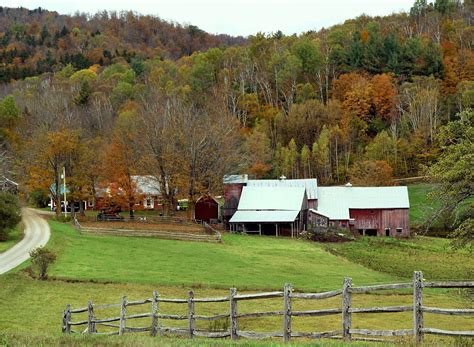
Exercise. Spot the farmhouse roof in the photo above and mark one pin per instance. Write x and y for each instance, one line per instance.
(310, 184)
(335, 202)
(272, 198)
(147, 185)
(243, 216)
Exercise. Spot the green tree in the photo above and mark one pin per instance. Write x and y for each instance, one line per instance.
(454, 171)
(10, 214)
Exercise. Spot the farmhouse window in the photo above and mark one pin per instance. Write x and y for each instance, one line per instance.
(149, 202)
(90, 203)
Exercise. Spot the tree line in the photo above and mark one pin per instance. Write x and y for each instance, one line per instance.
(362, 101)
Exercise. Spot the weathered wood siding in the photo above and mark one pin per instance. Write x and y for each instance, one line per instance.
(232, 193)
(396, 218)
(381, 219)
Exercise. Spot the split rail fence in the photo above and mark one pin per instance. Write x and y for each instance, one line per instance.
(347, 333)
(209, 233)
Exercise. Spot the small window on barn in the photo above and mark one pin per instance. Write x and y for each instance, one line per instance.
(387, 231)
(399, 231)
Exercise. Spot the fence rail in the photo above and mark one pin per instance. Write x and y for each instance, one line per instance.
(153, 317)
(211, 235)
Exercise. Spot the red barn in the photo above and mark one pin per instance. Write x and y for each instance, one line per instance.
(207, 209)
(372, 211)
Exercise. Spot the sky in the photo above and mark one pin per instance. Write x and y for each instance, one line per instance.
(234, 17)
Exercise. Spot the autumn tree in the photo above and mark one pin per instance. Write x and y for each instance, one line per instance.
(371, 173)
(54, 151)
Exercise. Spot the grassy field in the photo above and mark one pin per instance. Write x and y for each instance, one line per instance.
(399, 257)
(241, 261)
(421, 206)
(104, 268)
(45, 300)
(13, 237)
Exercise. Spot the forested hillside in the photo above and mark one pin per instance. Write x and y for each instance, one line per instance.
(37, 41)
(360, 101)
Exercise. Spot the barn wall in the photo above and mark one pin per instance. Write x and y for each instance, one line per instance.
(381, 219)
(232, 193)
(367, 219)
(396, 218)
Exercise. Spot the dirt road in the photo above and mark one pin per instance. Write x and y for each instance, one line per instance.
(36, 234)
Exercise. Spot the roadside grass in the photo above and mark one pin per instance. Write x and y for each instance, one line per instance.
(399, 257)
(421, 206)
(14, 237)
(246, 262)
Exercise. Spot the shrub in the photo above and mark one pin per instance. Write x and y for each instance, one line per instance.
(39, 198)
(41, 258)
(10, 214)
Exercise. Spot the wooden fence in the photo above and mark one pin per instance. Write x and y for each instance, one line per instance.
(347, 333)
(210, 235)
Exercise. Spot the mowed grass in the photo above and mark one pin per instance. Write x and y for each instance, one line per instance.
(246, 262)
(400, 257)
(421, 205)
(14, 237)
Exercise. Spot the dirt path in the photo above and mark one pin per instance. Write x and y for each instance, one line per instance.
(36, 234)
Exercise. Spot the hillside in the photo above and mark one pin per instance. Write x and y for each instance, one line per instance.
(364, 101)
(37, 41)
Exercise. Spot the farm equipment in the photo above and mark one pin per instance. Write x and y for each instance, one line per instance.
(109, 214)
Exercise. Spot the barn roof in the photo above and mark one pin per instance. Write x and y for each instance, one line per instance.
(335, 202)
(310, 184)
(271, 198)
(264, 216)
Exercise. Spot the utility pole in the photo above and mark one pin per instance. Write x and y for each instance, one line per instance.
(64, 190)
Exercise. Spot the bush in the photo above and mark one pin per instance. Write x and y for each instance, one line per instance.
(10, 214)
(39, 198)
(41, 258)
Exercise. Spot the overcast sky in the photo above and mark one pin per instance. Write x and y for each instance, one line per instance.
(235, 17)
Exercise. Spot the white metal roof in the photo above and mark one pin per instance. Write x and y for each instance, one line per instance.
(148, 185)
(310, 184)
(335, 202)
(271, 198)
(229, 179)
(264, 216)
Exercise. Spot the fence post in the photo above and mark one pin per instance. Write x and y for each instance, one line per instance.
(233, 314)
(123, 313)
(287, 312)
(90, 318)
(192, 321)
(346, 305)
(154, 314)
(66, 319)
(417, 306)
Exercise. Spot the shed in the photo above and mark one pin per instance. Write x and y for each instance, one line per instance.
(276, 210)
(207, 209)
